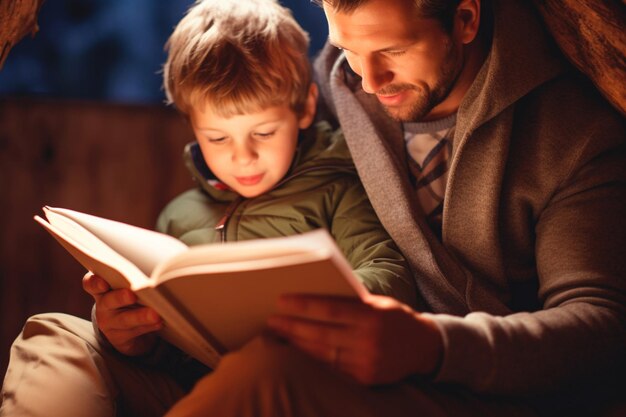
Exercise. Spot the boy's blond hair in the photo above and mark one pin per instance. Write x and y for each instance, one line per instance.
(237, 56)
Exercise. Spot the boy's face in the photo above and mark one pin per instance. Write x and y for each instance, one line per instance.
(249, 152)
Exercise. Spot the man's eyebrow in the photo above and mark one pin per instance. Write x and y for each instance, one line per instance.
(386, 49)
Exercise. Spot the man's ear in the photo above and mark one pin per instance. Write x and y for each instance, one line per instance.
(310, 106)
(467, 20)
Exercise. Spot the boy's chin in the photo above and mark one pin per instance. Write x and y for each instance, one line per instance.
(249, 193)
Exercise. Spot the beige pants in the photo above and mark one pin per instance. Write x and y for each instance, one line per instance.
(57, 368)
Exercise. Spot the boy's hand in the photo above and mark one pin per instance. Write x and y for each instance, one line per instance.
(128, 326)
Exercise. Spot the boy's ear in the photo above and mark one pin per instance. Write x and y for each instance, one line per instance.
(309, 108)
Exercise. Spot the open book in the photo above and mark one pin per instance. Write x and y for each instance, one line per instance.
(215, 297)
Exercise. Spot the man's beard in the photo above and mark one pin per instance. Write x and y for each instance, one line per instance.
(425, 98)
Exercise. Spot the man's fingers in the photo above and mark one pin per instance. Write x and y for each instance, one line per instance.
(342, 359)
(321, 351)
(339, 310)
(296, 329)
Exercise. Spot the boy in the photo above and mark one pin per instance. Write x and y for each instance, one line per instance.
(245, 85)
(238, 70)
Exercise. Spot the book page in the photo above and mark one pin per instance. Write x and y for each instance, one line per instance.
(232, 307)
(92, 253)
(144, 248)
(244, 254)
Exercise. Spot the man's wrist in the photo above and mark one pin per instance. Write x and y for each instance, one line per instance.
(432, 347)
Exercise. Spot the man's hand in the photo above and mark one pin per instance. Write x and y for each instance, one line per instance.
(128, 326)
(378, 341)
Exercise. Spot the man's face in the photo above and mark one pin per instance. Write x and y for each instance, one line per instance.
(410, 63)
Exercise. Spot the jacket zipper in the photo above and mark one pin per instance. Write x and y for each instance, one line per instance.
(221, 224)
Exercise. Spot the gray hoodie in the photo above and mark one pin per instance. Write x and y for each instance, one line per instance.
(528, 284)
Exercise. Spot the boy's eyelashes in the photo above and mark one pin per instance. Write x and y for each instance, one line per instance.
(264, 134)
(217, 140)
(260, 135)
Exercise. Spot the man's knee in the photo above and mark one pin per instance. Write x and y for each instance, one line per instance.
(267, 374)
(266, 361)
(263, 365)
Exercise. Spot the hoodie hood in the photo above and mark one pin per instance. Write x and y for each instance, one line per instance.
(510, 73)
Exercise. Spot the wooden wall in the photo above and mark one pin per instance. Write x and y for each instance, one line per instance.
(591, 34)
(119, 161)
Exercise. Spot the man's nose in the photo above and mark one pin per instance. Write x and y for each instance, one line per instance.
(374, 75)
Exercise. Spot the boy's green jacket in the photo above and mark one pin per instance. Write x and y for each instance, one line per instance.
(321, 190)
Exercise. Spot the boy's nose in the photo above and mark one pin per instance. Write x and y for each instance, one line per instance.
(244, 154)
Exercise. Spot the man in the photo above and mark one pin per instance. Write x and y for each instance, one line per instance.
(525, 203)
(499, 171)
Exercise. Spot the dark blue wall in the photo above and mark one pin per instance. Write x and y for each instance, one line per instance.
(109, 49)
